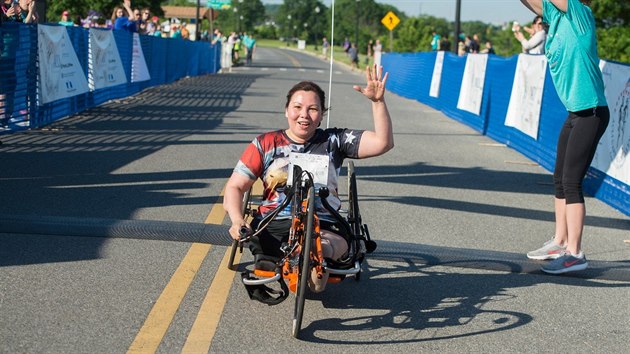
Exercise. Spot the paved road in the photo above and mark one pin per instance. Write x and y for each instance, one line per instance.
(453, 212)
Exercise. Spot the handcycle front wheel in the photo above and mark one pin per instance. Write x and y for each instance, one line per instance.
(305, 265)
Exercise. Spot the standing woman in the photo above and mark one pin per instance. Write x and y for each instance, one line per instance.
(571, 49)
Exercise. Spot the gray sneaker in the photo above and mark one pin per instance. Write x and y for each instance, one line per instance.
(548, 251)
(566, 263)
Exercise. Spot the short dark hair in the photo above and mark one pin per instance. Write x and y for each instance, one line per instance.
(307, 86)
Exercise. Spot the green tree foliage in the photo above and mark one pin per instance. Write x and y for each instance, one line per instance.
(251, 11)
(415, 34)
(105, 7)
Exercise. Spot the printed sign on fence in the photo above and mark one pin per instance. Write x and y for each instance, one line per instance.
(139, 69)
(471, 91)
(613, 152)
(527, 90)
(60, 73)
(434, 91)
(105, 68)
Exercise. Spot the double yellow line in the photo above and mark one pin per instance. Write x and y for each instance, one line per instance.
(161, 315)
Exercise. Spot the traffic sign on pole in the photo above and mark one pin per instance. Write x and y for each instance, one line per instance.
(219, 4)
(390, 20)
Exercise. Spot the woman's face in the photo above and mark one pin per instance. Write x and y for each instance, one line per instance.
(304, 114)
(119, 13)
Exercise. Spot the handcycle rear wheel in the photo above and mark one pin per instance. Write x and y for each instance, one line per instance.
(354, 216)
(245, 210)
(305, 265)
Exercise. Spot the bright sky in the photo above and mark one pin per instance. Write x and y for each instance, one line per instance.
(490, 11)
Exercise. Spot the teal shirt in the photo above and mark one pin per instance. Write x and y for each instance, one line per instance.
(571, 51)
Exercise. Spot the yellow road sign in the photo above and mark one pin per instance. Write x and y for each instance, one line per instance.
(390, 20)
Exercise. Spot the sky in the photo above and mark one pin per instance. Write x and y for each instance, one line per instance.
(489, 11)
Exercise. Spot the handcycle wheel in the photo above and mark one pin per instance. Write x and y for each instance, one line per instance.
(354, 216)
(245, 211)
(305, 265)
(353, 200)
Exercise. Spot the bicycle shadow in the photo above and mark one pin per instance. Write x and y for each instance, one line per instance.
(422, 302)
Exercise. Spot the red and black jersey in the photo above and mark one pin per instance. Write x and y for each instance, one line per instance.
(267, 158)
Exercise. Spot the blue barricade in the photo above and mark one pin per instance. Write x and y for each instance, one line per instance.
(411, 75)
(167, 60)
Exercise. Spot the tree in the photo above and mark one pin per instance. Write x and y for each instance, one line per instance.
(104, 7)
(251, 11)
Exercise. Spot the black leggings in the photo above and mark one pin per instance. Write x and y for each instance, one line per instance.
(577, 143)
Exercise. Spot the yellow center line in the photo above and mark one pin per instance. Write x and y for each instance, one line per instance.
(164, 309)
(203, 330)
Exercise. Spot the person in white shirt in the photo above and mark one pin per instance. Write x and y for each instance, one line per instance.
(536, 43)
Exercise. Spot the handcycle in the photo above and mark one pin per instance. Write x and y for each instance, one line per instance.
(303, 252)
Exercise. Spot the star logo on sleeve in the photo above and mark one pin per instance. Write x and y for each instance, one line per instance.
(350, 137)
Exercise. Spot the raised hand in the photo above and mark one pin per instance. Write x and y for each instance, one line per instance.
(375, 87)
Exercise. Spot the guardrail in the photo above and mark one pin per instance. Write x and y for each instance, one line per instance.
(410, 75)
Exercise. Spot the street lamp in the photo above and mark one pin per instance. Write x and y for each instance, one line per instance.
(316, 26)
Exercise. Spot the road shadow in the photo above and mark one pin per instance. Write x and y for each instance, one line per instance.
(420, 303)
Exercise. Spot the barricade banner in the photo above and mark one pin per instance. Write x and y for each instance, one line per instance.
(434, 91)
(105, 67)
(471, 91)
(527, 90)
(60, 73)
(613, 152)
(139, 69)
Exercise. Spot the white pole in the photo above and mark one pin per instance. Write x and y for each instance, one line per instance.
(332, 49)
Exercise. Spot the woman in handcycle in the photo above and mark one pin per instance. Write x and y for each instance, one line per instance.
(267, 158)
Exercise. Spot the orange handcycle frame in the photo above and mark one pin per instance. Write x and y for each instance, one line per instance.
(303, 251)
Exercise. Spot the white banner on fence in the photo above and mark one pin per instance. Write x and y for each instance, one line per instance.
(471, 91)
(434, 91)
(105, 68)
(139, 70)
(613, 151)
(527, 90)
(60, 73)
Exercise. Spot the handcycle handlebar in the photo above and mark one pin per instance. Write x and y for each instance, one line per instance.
(244, 234)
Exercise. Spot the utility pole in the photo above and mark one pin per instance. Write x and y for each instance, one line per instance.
(458, 8)
(197, 20)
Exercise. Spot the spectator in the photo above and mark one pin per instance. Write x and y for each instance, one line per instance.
(184, 31)
(461, 45)
(325, 46)
(445, 44)
(250, 46)
(23, 12)
(574, 67)
(121, 19)
(435, 42)
(9, 42)
(489, 49)
(536, 43)
(353, 53)
(176, 31)
(226, 55)
(474, 46)
(368, 52)
(65, 19)
(145, 19)
(346, 45)
(377, 52)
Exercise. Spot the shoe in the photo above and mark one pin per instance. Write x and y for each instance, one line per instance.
(565, 263)
(548, 251)
(261, 263)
